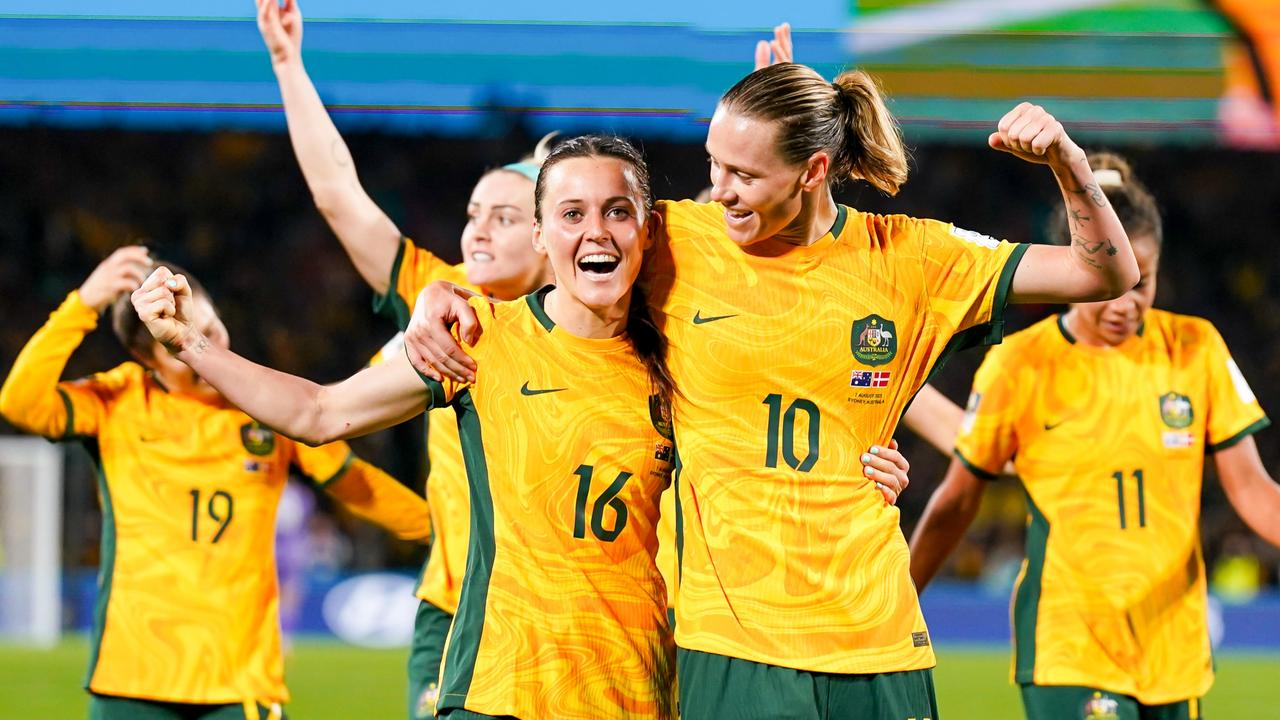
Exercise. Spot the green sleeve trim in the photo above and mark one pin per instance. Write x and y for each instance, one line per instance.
(992, 332)
(341, 471)
(391, 305)
(1251, 429)
(438, 398)
(69, 430)
(980, 472)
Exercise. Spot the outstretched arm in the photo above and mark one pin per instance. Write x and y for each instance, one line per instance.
(1250, 488)
(1099, 264)
(370, 238)
(948, 515)
(375, 398)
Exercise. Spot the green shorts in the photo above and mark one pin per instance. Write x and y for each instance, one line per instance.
(430, 630)
(723, 688)
(111, 707)
(460, 714)
(1073, 702)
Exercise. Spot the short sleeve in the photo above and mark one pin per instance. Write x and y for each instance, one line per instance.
(987, 438)
(443, 393)
(414, 268)
(1233, 412)
(324, 464)
(968, 276)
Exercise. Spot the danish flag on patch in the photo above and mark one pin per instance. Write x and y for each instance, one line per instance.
(870, 378)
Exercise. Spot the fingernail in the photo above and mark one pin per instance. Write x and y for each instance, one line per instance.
(869, 471)
(171, 284)
(866, 458)
(875, 449)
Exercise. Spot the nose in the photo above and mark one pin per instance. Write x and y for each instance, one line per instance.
(720, 191)
(594, 228)
(480, 228)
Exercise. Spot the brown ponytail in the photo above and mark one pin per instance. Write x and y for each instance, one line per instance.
(848, 118)
(1133, 203)
(650, 346)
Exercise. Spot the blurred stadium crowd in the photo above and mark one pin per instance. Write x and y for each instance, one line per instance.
(233, 208)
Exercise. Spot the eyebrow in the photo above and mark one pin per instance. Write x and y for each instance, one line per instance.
(730, 167)
(608, 201)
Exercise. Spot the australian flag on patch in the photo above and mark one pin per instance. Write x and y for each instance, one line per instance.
(870, 378)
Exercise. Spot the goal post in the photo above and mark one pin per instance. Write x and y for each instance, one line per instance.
(31, 472)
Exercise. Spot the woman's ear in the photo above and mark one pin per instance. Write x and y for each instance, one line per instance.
(815, 171)
(539, 246)
(653, 230)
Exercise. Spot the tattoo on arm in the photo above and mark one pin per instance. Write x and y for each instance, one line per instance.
(1071, 184)
(1078, 217)
(201, 346)
(1085, 249)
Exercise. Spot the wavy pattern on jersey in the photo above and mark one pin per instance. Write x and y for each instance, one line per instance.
(441, 583)
(446, 489)
(574, 625)
(188, 620)
(1122, 594)
(790, 556)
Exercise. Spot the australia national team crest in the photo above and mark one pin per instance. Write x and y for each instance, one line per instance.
(1101, 707)
(874, 340)
(257, 439)
(1176, 411)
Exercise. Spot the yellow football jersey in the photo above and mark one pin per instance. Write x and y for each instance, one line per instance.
(446, 489)
(791, 361)
(563, 611)
(187, 607)
(1109, 444)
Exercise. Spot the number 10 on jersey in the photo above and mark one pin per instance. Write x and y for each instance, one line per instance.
(782, 431)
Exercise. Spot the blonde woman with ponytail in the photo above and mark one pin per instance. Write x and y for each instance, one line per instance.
(799, 329)
(1107, 412)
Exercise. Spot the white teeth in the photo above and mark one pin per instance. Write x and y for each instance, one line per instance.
(481, 257)
(598, 257)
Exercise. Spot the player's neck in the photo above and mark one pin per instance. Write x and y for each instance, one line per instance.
(578, 319)
(817, 216)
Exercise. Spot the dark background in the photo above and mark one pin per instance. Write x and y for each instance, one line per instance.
(233, 208)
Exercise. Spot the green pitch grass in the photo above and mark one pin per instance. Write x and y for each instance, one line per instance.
(330, 680)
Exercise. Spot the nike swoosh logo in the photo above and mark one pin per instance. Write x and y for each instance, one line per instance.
(1050, 426)
(699, 320)
(526, 390)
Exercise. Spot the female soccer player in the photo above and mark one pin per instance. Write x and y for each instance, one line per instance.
(499, 261)
(563, 611)
(186, 622)
(799, 329)
(1107, 412)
